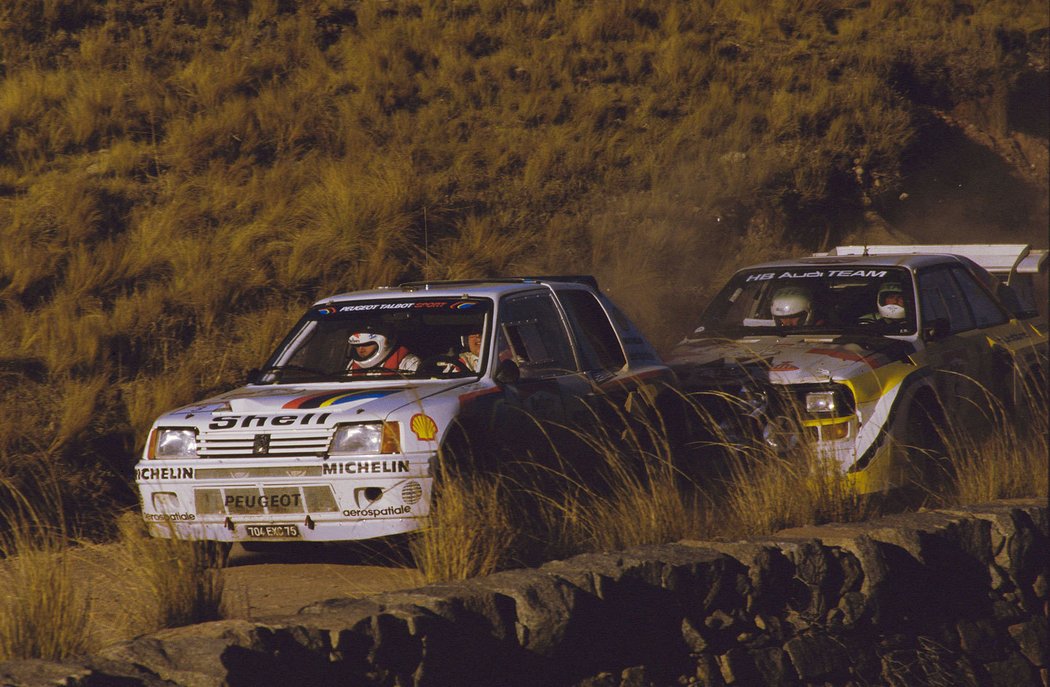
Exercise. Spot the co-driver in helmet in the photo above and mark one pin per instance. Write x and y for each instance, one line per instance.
(373, 349)
(792, 306)
(889, 304)
(471, 357)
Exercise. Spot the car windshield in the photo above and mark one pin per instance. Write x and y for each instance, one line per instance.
(416, 338)
(806, 299)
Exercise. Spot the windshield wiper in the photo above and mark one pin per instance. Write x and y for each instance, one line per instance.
(292, 367)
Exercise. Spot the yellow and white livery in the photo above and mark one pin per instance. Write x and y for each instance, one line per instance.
(871, 352)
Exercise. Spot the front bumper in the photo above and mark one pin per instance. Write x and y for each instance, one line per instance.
(285, 499)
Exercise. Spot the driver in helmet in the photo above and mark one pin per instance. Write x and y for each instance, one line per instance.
(792, 306)
(889, 303)
(371, 349)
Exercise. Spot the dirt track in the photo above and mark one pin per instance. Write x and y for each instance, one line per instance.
(266, 584)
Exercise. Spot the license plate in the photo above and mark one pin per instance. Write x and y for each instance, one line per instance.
(271, 531)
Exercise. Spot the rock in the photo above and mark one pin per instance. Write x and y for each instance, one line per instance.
(1039, 586)
(977, 639)
(708, 672)
(198, 655)
(1011, 672)
(692, 637)
(1033, 639)
(718, 620)
(907, 599)
(600, 680)
(773, 667)
(738, 668)
(636, 676)
(816, 656)
(93, 673)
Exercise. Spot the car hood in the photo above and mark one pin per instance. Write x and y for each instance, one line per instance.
(783, 360)
(365, 401)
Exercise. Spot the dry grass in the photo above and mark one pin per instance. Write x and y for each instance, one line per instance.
(633, 491)
(600, 491)
(1006, 456)
(44, 611)
(47, 606)
(773, 492)
(470, 530)
(171, 581)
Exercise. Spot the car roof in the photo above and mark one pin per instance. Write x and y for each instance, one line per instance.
(997, 258)
(477, 288)
(910, 261)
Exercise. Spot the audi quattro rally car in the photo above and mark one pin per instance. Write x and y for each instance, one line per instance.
(319, 445)
(867, 350)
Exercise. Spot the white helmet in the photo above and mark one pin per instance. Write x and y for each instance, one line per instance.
(890, 311)
(383, 347)
(792, 301)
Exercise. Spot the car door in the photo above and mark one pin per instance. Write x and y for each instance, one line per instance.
(593, 395)
(956, 350)
(525, 412)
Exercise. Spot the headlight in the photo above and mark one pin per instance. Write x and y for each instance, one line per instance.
(821, 402)
(754, 398)
(366, 438)
(170, 443)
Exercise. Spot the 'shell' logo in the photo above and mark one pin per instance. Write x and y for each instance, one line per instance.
(424, 426)
(261, 445)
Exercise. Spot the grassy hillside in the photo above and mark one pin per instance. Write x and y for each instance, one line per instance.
(179, 179)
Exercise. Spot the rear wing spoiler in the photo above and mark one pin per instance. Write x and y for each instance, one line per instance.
(1001, 259)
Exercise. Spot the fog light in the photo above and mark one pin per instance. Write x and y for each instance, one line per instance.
(834, 432)
(781, 434)
(165, 501)
(369, 494)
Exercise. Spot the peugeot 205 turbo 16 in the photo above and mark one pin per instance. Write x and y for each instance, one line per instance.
(337, 436)
(868, 353)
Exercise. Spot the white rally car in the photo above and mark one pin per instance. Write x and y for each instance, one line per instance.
(320, 447)
(869, 351)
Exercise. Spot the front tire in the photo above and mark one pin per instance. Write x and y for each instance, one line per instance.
(929, 472)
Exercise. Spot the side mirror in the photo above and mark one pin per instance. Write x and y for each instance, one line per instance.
(507, 372)
(253, 375)
(937, 329)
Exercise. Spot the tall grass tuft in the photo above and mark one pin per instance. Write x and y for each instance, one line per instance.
(173, 581)
(44, 610)
(470, 530)
(771, 492)
(1009, 459)
(760, 489)
(625, 486)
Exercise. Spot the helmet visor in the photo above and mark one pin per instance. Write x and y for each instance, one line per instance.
(362, 351)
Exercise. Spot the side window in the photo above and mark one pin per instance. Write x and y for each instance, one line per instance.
(531, 331)
(598, 344)
(940, 297)
(1019, 297)
(985, 310)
